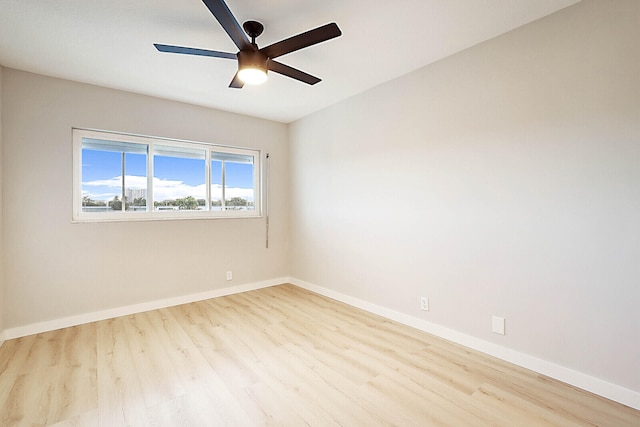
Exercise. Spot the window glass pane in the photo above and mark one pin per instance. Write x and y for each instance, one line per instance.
(135, 182)
(179, 178)
(103, 178)
(216, 185)
(238, 185)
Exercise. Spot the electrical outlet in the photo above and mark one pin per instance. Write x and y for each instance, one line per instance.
(229, 275)
(424, 303)
(497, 325)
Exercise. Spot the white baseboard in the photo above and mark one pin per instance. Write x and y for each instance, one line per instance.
(80, 319)
(578, 379)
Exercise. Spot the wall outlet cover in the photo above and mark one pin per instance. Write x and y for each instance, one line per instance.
(497, 325)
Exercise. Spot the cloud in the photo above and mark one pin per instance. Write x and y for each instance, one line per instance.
(133, 181)
(163, 189)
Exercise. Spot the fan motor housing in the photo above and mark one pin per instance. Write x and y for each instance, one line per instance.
(252, 59)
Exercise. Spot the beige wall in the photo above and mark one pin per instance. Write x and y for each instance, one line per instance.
(1, 225)
(499, 181)
(56, 269)
(502, 180)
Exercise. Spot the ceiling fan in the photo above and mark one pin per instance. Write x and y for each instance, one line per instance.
(253, 62)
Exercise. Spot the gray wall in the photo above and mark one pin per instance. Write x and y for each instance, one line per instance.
(55, 269)
(499, 181)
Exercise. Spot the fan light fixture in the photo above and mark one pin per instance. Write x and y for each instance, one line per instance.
(252, 66)
(252, 76)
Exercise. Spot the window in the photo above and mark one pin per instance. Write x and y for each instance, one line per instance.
(230, 176)
(128, 177)
(179, 178)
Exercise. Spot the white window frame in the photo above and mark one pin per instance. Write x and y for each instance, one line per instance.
(150, 213)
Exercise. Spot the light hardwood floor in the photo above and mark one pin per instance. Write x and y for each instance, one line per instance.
(275, 356)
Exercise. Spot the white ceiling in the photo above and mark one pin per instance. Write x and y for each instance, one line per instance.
(110, 43)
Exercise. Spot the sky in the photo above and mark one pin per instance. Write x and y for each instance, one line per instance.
(174, 177)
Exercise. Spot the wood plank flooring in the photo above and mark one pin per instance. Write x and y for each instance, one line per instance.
(276, 356)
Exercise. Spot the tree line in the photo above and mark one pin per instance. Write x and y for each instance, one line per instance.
(184, 203)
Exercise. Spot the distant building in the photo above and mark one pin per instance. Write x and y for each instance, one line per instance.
(135, 193)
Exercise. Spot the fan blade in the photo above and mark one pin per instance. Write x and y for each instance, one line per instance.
(309, 38)
(294, 73)
(221, 12)
(194, 51)
(236, 83)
